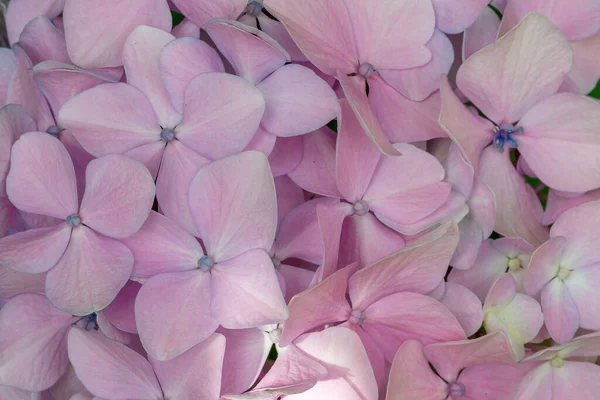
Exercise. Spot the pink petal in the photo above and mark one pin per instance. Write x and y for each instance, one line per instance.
(297, 101)
(173, 313)
(33, 353)
(505, 91)
(289, 196)
(586, 71)
(576, 378)
(323, 31)
(465, 306)
(186, 28)
(181, 60)
(162, 246)
(43, 41)
(419, 268)
(90, 273)
(354, 88)
(109, 369)
(331, 220)
(150, 154)
(194, 374)
(42, 178)
(120, 312)
(544, 265)
(141, 53)
(557, 130)
(286, 154)
(537, 384)
(8, 63)
(482, 206)
(390, 325)
(471, 237)
(264, 142)
(518, 210)
(296, 280)
(452, 19)
(560, 311)
(356, 156)
(411, 377)
(252, 54)
(316, 171)
(118, 197)
(581, 285)
(307, 311)
(179, 166)
(221, 114)
(277, 31)
(93, 41)
(559, 202)
(110, 118)
(69, 387)
(406, 189)
(252, 346)
(481, 33)
(13, 283)
(469, 132)
(492, 381)
(246, 293)
(35, 250)
(452, 357)
(419, 82)
(200, 13)
(401, 119)
(245, 183)
(21, 12)
(502, 292)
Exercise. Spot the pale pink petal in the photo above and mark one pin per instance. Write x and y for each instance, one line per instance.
(289, 196)
(419, 268)
(14, 283)
(183, 59)
(296, 280)
(307, 311)
(110, 118)
(246, 293)
(349, 373)
(356, 156)
(581, 285)
(502, 292)
(111, 370)
(264, 142)
(252, 346)
(481, 33)
(419, 82)
(69, 386)
(118, 196)
(245, 185)
(201, 12)
(471, 237)
(150, 154)
(316, 171)
(90, 273)
(354, 88)
(297, 101)
(518, 210)
(252, 54)
(35, 250)
(162, 246)
(465, 306)
(179, 166)
(536, 385)
(482, 206)
(557, 130)
(576, 377)
(450, 358)
(559, 202)
(331, 220)
(277, 31)
(173, 313)
(21, 12)
(141, 53)
(492, 381)
(186, 28)
(544, 265)
(323, 31)
(469, 132)
(93, 41)
(286, 154)
(196, 374)
(401, 119)
(33, 353)
(540, 59)
(411, 377)
(221, 113)
(43, 41)
(560, 311)
(42, 177)
(586, 68)
(12, 393)
(451, 18)
(120, 312)
(8, 63)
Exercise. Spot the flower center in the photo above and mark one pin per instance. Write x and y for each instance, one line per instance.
(514, 264)
(90, 321)
(276, 262)
(357, 317)
(563, 273)
(53, 130)
(167, 135)
(205, 263)
(366, 69)
(557, 362)
(254, 8)
(73, 220)
(361, 207)
(457, 390)
(275, 335)
(504, 136)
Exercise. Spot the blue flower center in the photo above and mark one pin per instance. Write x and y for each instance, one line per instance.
(205, 263)
(505, 136)
(361, 207)
(254, 8)
(90, 321)
(365, 69)
(73, 220)
(167, 135)
(53, 130)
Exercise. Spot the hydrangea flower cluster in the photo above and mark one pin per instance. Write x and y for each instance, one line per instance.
(300, 200)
